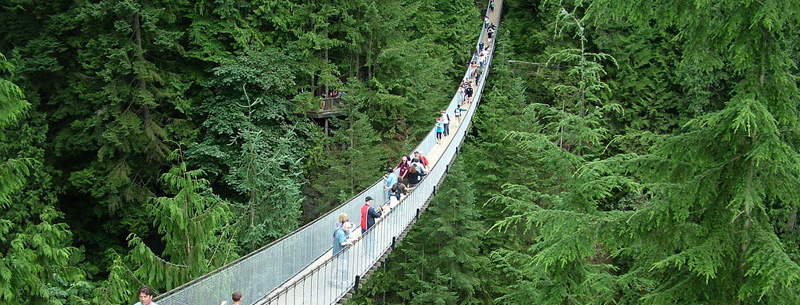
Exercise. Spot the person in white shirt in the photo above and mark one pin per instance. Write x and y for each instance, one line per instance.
(146, 296)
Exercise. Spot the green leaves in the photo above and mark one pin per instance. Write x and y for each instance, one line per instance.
(12, 100)
(38, 257)
(698, 212)
(193, 223)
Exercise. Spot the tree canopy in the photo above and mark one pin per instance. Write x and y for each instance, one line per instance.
(624, 152)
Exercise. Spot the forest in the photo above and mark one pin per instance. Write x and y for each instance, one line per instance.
(625, 152)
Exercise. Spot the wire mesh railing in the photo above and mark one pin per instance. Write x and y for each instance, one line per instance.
(262, 276)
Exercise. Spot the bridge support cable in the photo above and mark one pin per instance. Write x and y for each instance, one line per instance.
(299, 269)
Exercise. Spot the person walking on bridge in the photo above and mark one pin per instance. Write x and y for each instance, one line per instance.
(403, 167)
(368, 216)
(236, 297)
(341, 239)
(439, 129)
(388, 181)
(146, 296)
(446, 123)
(419, 155)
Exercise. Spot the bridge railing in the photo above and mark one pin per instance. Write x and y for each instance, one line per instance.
(258, 274)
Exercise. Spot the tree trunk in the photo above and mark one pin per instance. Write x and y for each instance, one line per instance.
(137, 34)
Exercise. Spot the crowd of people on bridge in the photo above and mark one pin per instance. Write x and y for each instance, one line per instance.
(409, 172)
(398, 180)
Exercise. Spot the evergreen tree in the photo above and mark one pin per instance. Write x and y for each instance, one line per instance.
(273, 194)
(354, 156)
(254, 142)
(699, 225)
(12, 108)
(574, 119)
(35, 263)
(196, 236)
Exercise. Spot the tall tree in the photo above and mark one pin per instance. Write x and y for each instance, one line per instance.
(254, 141)
(575, 116)
(35, 263)
(702, 217)
(122, 101)
(12, 108)
(354, 155)
(197, 238)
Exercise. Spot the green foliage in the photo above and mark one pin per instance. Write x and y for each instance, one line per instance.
(12, 108)
(700, 217)
(35, 260)
(254, 143)
(273, 192)
(197, 239)
(575, 117)
(644, 83)
(12, 100)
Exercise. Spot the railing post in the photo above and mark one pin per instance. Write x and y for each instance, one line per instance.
(355, 287)
(434, 191)
(394, 240)
(417, 216)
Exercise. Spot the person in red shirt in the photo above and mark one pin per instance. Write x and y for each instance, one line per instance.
(404, 166)
(368, 215)
(418, 154)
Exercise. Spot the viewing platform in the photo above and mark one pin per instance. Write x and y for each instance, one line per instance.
(329, 107)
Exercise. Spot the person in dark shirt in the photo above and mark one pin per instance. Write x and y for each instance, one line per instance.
(368, 215)
(414, 176)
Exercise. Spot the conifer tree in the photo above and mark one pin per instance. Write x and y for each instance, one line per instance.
(196, 234)
(574, 118)
(272, 207)
(563, 133)
(354, 156)
(12, 108)
(699, 226)
(35, 264)
(254, 142)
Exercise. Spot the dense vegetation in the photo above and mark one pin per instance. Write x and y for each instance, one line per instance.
(148, 142)
(625, 152)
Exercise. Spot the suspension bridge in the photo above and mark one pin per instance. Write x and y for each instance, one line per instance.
(300, 267)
